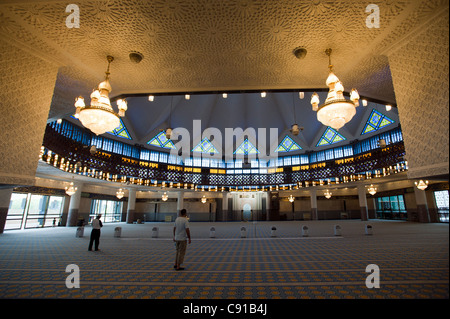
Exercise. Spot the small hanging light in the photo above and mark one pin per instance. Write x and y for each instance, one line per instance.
(165, 197)
(120, 193)
(372, 190)
(327, 194)
(422, 185)
(71, 189)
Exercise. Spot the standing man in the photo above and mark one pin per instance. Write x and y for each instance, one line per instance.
(181, 234)
(95, 233)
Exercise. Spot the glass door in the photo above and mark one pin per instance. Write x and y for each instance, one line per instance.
(442, 204)
(16, 211)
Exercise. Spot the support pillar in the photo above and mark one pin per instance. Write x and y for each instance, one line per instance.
(422, 206)
(314, 212)
(5, 198)
(224, 216)
(131, 208)
(363, 202)
(180, 202)
(74, 207)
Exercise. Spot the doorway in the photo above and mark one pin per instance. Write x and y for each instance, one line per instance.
(247, 212)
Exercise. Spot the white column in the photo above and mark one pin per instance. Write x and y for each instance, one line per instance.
(224, 206)
(131, 208)
(314, 212)
(363, 202)
(180, 202)
(74, 206)
(422, 206)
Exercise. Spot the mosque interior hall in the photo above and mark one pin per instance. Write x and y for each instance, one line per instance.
(308, 142)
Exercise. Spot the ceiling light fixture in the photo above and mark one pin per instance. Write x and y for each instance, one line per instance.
(71, 189)
(120, 193)
(100, 117)
(327, 194)
(295, 130)
(422, 185)
(291, 198)
(165, 197)
(203, 199)
(169, 129)
(372, 190)
(337, 110)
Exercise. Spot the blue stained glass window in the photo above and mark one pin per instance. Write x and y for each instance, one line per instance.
(288, 145)
(376, 122)
(161, 140)
(205, 147)
(121, 131)
(330, 136)
(246, 148)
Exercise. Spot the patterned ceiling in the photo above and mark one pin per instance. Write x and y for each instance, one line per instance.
(216, 45)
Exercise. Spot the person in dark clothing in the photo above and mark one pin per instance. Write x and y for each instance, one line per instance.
(95, 233)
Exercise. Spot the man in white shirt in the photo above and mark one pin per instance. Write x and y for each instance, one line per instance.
(181, 235)
(95, 233)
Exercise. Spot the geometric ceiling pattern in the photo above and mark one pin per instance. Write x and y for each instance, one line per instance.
(288, 145)
(376, 122)
(121, 131)
(205, 147)
(330, 136)
(218, 46)
(246, 148)
(162, 141)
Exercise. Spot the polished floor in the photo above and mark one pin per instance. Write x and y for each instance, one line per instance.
(412, 258)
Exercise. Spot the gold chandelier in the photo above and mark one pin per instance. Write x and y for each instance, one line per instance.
(372, 190)
(422, 185)
(337, 110)
(165, 197)
(327, 194)
(100, 117)
(71, 189)
(120, 193)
